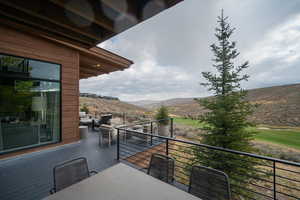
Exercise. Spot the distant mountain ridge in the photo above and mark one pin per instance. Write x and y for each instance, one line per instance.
(100, 105)
(143, 103)
(278, 105)
(155, 104)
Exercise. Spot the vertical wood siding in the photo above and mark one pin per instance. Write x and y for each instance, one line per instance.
(25, 45)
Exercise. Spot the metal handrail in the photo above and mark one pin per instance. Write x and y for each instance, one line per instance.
(217, 148)
(276, 192)
(146, 122)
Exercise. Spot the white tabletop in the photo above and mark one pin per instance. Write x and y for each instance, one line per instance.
(121, 182)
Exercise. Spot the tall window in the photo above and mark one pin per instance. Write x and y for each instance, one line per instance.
(29, 103)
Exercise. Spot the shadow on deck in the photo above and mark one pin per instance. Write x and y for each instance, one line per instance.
(30, 176)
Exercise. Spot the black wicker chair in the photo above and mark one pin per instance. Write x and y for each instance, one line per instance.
(69, 173)
(209, 184)
(161, 167)
(105, 119)
(106, 133)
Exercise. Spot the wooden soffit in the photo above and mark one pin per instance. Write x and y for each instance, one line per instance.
(97, 61)
(83, 23)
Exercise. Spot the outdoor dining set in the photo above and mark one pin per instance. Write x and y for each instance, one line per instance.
(113, 183)
(102, 126)
(73, 180)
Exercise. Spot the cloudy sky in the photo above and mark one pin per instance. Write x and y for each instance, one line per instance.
(171, 49)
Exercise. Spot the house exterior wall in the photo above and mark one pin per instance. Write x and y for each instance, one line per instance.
(21, 44)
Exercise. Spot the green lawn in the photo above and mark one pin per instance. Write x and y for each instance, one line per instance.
(289, 137)
(188, 122)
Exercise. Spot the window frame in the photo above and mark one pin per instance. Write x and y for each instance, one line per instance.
(18, 149)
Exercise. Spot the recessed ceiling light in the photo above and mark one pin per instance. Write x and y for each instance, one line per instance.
(97, 65)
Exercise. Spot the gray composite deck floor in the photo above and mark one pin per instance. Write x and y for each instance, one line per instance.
(30, 177)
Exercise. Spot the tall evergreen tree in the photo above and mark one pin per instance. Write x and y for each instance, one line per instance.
(226, 123)
(226, 120)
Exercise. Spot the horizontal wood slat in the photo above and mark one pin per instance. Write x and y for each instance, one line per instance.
(20, 44)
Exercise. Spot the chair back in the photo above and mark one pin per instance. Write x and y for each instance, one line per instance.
(209, 184)
(69, 173)
(105, 129)
(105, 119)
(161, 167)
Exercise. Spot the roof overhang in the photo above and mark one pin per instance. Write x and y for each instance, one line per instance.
(82, 23)
(96, 61)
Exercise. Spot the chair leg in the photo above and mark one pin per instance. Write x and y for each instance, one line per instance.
(109, 139)
(101, 140)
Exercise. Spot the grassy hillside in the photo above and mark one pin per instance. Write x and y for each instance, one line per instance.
(279, 106)
(284, 137)
(97, 106)
(289, 138)
(169, 102)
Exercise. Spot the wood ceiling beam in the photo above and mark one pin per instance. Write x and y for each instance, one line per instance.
(93, 69)
(84, 73)
(100, 20)
(14, 4)
(114, 5)
(89, 56)
(117, 60)
(43, 34)
(104, 65)
(48, 29)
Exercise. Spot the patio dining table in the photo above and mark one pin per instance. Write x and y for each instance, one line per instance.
(121, 182)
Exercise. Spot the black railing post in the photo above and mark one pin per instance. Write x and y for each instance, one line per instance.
(124, 118)
(167, 146)
(151, 132)
(118, 144)
(172, 133)
(274, 180)
(173, 142)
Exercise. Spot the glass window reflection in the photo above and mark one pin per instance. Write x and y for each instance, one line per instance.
(29, 108)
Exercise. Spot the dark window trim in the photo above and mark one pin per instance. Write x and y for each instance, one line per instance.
(8, 75)
(28, 147)
(60, 102)
(5, 54)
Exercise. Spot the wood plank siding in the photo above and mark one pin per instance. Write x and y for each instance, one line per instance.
(21, 44)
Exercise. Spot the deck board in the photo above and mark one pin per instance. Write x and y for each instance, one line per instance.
(30, 177)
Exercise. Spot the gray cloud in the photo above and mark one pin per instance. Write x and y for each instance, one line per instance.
(172, 49)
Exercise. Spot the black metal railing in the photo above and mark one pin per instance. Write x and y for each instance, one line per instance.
(152, 127)
(270, 178)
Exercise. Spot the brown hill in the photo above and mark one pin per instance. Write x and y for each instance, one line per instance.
(98, 106)
(278, 105)
(170, 102)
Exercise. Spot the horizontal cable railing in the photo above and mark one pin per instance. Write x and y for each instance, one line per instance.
(270, 178)
(152, 127)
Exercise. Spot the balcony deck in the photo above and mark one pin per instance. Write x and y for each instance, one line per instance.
(30, 176)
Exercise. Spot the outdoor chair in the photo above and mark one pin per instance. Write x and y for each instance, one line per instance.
(106, 133)
(136, 132)
(105, 119)
(209, 184)
(161, 167)
(69, 173)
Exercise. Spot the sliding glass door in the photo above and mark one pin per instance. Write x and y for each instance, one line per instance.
(30, 106)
